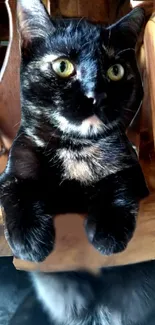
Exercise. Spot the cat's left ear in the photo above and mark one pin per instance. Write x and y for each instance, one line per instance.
(129, 27)
(33, 21)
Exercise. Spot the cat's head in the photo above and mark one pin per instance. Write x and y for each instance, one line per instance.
(78, 76)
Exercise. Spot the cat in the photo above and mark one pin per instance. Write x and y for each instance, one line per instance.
(80, 89)
(122, 295)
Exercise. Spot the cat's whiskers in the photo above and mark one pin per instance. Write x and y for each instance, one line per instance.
(87, 43)
(125, 50)
(128, 110)
(78, 23)
(109, 37)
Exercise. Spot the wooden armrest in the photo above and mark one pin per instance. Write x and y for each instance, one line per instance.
(149, 46)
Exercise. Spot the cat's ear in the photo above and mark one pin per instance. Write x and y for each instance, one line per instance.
(129, 27)
(33, 21)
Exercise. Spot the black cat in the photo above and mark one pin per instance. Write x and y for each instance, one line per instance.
(80, 89)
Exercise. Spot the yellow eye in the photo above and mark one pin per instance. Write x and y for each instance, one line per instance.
(63, 68)
(115, 72)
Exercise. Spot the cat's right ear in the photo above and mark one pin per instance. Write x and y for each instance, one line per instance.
(33, 21)
(127, 29)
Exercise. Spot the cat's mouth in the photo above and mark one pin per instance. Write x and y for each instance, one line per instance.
(90, 126)
(92, 121)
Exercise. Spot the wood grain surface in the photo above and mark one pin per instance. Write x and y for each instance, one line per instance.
(149, 45)
(10, 88)
(4, 248)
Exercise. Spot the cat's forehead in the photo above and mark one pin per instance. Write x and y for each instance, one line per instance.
(80, 25)
(74, 34)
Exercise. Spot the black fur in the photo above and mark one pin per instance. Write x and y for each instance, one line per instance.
(123, 295)
(57, 169)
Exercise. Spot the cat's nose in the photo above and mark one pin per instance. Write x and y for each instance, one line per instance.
(91, 95)
(97, 98)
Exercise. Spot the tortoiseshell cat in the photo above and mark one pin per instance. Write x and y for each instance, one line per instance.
(80, 88)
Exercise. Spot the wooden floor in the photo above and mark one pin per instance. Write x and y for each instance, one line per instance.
(81, 253)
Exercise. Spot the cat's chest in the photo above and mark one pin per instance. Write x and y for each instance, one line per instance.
(87, 165)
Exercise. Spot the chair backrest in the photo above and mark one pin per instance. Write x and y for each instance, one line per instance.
(9, 76)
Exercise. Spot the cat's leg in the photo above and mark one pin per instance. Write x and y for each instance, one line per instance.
(28, 226)
(112, 214)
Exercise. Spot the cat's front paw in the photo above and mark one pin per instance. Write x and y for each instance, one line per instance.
(30, 237)
(112, 235)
